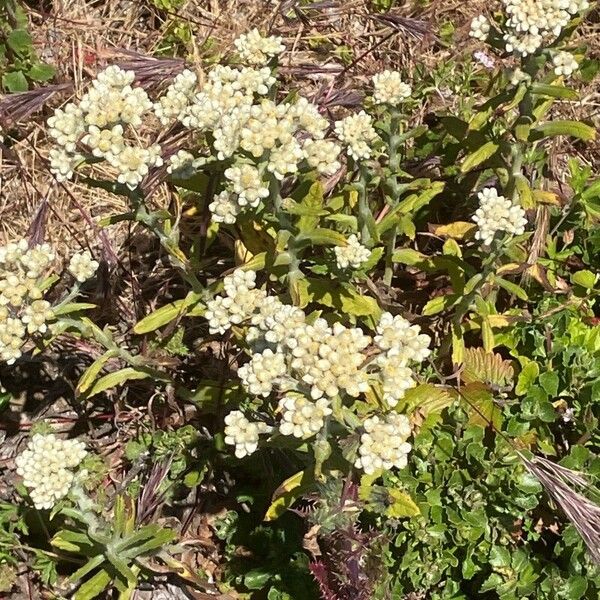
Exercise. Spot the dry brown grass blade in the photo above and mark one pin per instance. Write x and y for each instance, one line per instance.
(581, 511)
(19, 107)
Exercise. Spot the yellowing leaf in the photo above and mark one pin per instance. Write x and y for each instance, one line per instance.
(486, 367)
(458, 230)
(287, 493)
(401, 505)
(544, 197)
(480, 405)
(427, 398)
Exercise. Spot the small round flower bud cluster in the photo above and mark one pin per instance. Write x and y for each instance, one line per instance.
(237, 305)
(322, 155)
(23, 309)
(178, 96)
(480, 28)
(531, 24)
(254, 49)
(247, 184)
(301, 417)
(242, 433)
(497, 214)
(224, 208)
(565, 64)
(383, 445)
(99, 122)
(263, 372)
(353, 255)
(388, 88)
(47, 467)
(519, 76)
(401, 340)
(82, 266)
(358, 134)
(181, 164)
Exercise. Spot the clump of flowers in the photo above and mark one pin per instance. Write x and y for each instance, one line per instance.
(48, 468)
(352, 255)
(99, 123)
(531, 24)
(254, 49)
(82, 266)
(383, 445)
(564, 64)
(388, 88)
(23, 309)
(357, 133)
(242, 433)
(312, 363)
(497, 214)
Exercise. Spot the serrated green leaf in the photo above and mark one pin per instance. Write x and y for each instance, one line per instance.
(486, 367)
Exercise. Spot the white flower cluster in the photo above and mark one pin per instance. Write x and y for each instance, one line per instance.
(565, 64)
(531, 24)
(242, 433)
(311, 362)
(23, 309)
(47, 467)
(254, 49)
(178, 96)
(388, 88)
(99, 121)
(358, 134)
(480, 28)
(384, 445)
(181, 164)
(83, 266)
(353, 255)
(496, 214)
(302, 418)
(237, 305)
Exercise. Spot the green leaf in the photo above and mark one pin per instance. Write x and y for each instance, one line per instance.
(91, 373)
(554, 91)
(427, 399)
(408, 256)
(568, 128)
(93, 587)
(312, 202)
(478, 157)
(527, 377)
(439, 304)
(159, 538)
(117, 378)
(512, 288)
(72, 307)
(89, 566)
(19, 41)
(486, 367)
(41, 72)
(322, 237)
(288, 492)
(549, 381)
(585, 279)
(166, 314)
(15, 81)
(401, 505)
(480, 405)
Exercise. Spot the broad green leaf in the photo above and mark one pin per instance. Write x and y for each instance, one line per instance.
(525, 194)
(313, 202)
(585, 279)
(474, 159)
(408, 256)
(41, 72)
(480, 405)
(568, 128)
(19, 41)
(527, 377)
(71, 541)
(117, 378)
(401, 505)
(439, 304)
(14, 81)
(93, 587)
(426, 398)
